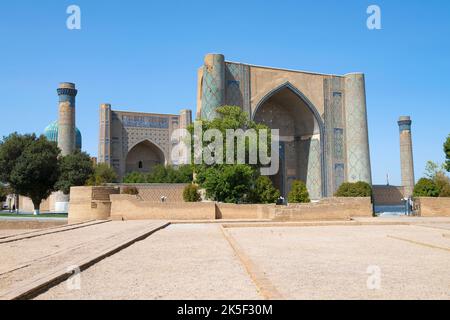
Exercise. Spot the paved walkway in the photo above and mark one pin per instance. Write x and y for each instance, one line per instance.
(31, 260)
(315, 262)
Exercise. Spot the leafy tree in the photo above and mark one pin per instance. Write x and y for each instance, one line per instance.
(357, 189)
(230, 183)
(299, 193)
(162, 174)
(30, 166)
(75, 170)
(191, 193)
(227, 183)
(102, 174)
(263, 191)
(4, 192)
(426, 188)
(447, 153)
(432, 169)
(445, 191)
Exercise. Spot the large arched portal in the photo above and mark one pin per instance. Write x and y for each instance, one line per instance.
(301, 134)
(143, 157)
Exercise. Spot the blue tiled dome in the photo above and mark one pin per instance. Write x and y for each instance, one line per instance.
(51, 133)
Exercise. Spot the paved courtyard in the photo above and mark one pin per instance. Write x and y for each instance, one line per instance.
(196, 261)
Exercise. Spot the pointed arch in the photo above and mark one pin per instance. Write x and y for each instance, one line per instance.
(317, 117)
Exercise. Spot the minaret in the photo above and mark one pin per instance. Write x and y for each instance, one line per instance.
(357, 133)
(406, 155)
(213, 86)
(66, 121)
(104, 146)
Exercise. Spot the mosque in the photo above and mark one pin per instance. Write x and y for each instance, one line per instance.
(322, 119)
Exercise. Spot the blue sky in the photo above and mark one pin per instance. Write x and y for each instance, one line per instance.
(143, 56)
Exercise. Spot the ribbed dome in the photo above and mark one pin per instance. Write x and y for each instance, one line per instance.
(51, 133)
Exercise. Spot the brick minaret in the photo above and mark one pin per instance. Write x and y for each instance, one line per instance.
(66, 122)
(406, 155)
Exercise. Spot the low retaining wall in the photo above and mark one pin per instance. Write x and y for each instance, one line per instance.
(326, 209)
(244, 211)
(388, 195)
(100, 203)
(128, 207)
(90, 203)
(432, 207)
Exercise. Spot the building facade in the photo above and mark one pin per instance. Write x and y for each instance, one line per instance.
(135, 141)
(322, 119)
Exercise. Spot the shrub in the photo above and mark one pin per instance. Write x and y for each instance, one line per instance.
(299, 193)
(130, 190)
(354, 189)
(264, 191)
(426, 188)
(191, 193)
(445, 191)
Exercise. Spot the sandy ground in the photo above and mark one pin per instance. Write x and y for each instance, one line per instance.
(179, 262)
(25, 259)
(338, 262)
(331, 262)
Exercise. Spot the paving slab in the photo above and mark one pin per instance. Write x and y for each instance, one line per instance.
(49, 254)
(180, 262)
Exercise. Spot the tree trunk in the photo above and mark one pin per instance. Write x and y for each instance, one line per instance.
(37, 205)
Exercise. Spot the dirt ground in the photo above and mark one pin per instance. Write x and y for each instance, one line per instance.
(195, 261)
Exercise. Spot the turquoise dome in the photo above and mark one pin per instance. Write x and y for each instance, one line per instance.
(51, 133)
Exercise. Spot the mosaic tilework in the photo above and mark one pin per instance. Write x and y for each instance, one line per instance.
(358, 157)
(213, 87)
(314, 176)
(335, 133)
(237, 86)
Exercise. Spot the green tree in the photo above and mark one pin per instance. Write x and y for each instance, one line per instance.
(75, 170)
(227, 183)
(4, 192)
(231, 183)
(191, 193)
(432, 169)
(162, 174)
(426, 188)
(354, 189)
(103, 174)
(299, 193)
(263, 191)
(447, 153)
(30, 166)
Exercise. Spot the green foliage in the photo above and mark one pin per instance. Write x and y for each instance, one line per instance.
(432, 169)
(191, 193)
(102, 174)
(4, 192)
(447, 153)
(29, 165)
(445, 191)
(299, 193)
(162, 174)
(357, 189)
(426, 188)
(75, 170)
(231, 183)
(263, 191)
(227, 183)
(130, 190)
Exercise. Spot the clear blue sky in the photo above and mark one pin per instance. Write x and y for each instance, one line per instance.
(143, 56)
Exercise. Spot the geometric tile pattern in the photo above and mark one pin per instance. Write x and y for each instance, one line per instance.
(213, 87)
(314, 175)
(237, 86)
(358, 158)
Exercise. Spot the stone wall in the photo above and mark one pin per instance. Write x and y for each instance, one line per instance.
(387, 195)
(153, 192)
(99, 203)
(128, 207)
(327, 209)
(433, 207)
(90, 203)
